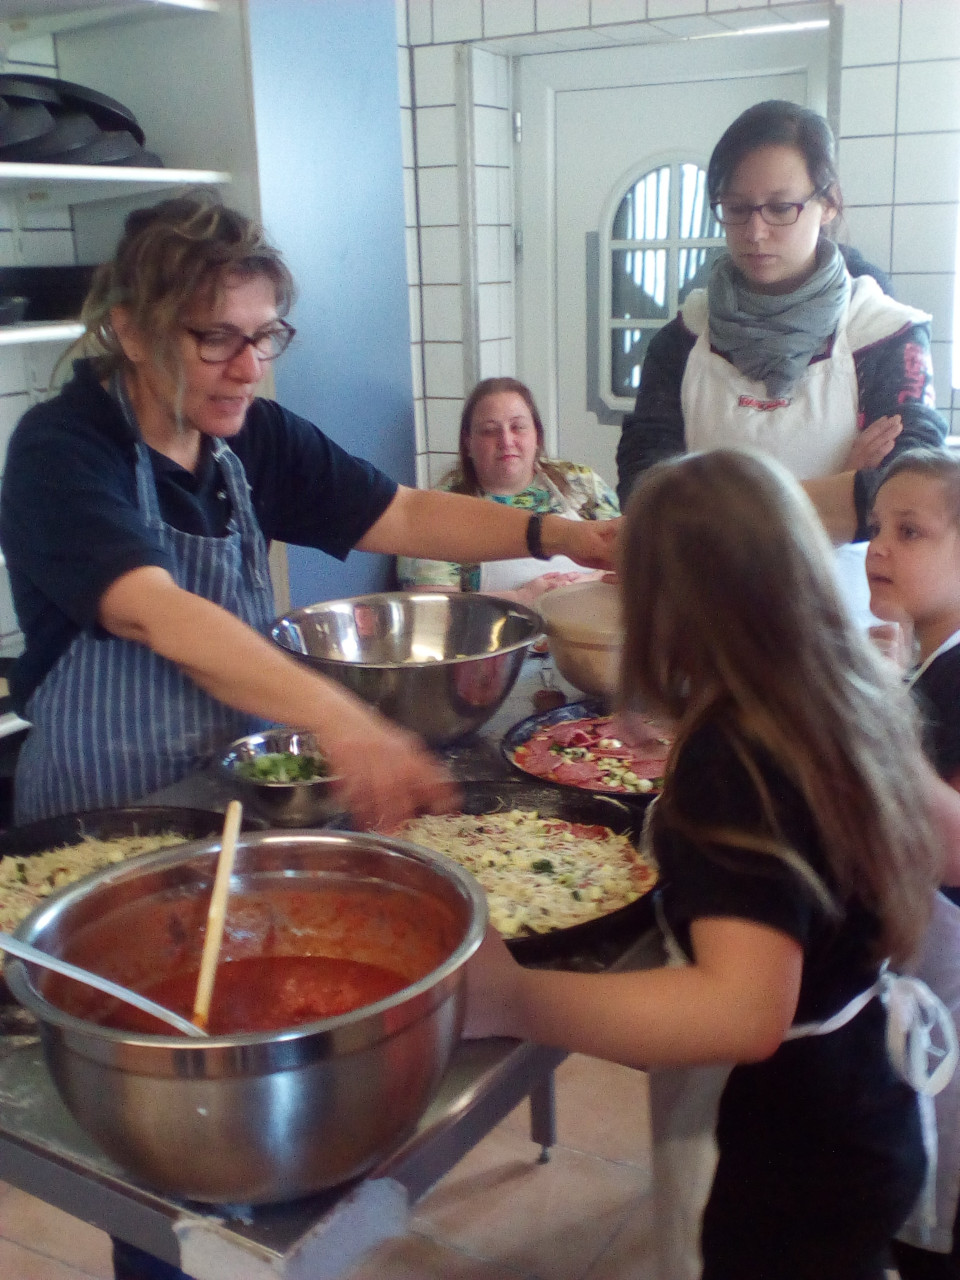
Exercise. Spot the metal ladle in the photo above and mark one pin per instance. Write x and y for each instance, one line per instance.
(24, 951)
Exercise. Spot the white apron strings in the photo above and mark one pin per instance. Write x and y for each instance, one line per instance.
(915, 1016)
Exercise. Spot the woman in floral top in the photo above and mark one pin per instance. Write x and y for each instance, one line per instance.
(502, 458)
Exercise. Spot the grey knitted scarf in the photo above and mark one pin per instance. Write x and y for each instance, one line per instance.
(771, 338)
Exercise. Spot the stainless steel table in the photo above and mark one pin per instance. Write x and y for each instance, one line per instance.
(43, 1152)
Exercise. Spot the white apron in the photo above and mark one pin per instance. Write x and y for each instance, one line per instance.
(809, 431)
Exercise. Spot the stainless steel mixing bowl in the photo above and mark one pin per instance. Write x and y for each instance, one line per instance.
(263, 1117)
(438, 663)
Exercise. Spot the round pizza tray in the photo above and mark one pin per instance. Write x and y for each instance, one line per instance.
(594, 942)
(108, 824)
(521, 733)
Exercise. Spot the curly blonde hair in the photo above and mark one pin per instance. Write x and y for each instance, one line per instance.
(169, 255)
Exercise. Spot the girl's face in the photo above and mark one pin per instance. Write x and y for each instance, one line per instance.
(775, 259)
(913, 560)
(502, 444)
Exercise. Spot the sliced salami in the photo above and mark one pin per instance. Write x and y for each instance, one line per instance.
(587, 753)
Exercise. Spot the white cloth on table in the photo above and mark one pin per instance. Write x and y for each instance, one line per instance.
(506, 575)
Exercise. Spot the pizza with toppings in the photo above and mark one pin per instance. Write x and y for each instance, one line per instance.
(587, 753)
(539, 873)
(27, 879)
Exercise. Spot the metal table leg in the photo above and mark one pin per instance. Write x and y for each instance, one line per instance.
(543, 1114)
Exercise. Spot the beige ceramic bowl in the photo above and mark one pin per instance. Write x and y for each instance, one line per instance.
(585, 633)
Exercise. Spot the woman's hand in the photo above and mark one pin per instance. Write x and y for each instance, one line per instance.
(637, 730)
(493, 982)
(873, 443)
(592, 543)
(387, 773)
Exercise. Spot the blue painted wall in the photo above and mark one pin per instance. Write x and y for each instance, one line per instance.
(331, 177)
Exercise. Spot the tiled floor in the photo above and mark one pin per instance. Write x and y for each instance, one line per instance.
(499, 1215)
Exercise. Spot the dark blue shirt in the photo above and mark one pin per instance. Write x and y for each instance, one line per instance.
(70, 524)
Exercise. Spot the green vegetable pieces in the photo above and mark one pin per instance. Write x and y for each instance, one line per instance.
(282, 766)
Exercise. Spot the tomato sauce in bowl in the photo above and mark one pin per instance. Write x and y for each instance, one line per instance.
(265, 993)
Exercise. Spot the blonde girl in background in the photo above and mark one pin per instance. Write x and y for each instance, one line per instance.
(913, 567)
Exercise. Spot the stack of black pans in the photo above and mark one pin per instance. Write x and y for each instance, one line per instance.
(46, 121)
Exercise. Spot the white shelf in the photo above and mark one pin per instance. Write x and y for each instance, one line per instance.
(24, 19)
(30, 331)
(59, 185)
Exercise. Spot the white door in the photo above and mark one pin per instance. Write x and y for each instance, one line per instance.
(591, 123)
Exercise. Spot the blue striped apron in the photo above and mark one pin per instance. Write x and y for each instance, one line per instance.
(113, 721)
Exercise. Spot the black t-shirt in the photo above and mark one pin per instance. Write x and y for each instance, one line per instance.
(711, 785)
(937, 693)
(820, 1147)
(70, 524)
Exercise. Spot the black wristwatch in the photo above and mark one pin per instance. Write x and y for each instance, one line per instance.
(534, 544)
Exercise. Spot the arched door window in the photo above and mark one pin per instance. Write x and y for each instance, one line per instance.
(657, 243)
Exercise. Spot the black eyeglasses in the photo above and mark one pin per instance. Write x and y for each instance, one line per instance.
(217, 346)
(775, 213)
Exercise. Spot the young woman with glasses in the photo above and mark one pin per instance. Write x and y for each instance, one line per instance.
(136, 511)
(784, 350)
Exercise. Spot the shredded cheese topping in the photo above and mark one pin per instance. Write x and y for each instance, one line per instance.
(539, 874)
(26, 879)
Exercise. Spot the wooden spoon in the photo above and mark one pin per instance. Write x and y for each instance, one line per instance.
(216, 915)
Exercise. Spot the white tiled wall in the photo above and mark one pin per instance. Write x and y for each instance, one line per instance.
(899, 153)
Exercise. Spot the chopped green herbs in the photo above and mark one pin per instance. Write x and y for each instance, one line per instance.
(282, 766)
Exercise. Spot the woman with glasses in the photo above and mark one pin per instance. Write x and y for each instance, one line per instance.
(135, 515)
(784, 350)
(789, 351)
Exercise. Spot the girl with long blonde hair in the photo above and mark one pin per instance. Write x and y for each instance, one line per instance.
(796, 857)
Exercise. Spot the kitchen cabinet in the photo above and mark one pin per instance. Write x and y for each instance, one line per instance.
(161, 58)
(297, 101)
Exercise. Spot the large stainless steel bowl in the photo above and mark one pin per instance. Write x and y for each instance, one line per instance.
(269, 1116)
(436, 662)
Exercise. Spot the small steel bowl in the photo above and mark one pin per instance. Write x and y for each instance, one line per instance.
(439, 663)
(285, 804)
(265, 1116)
